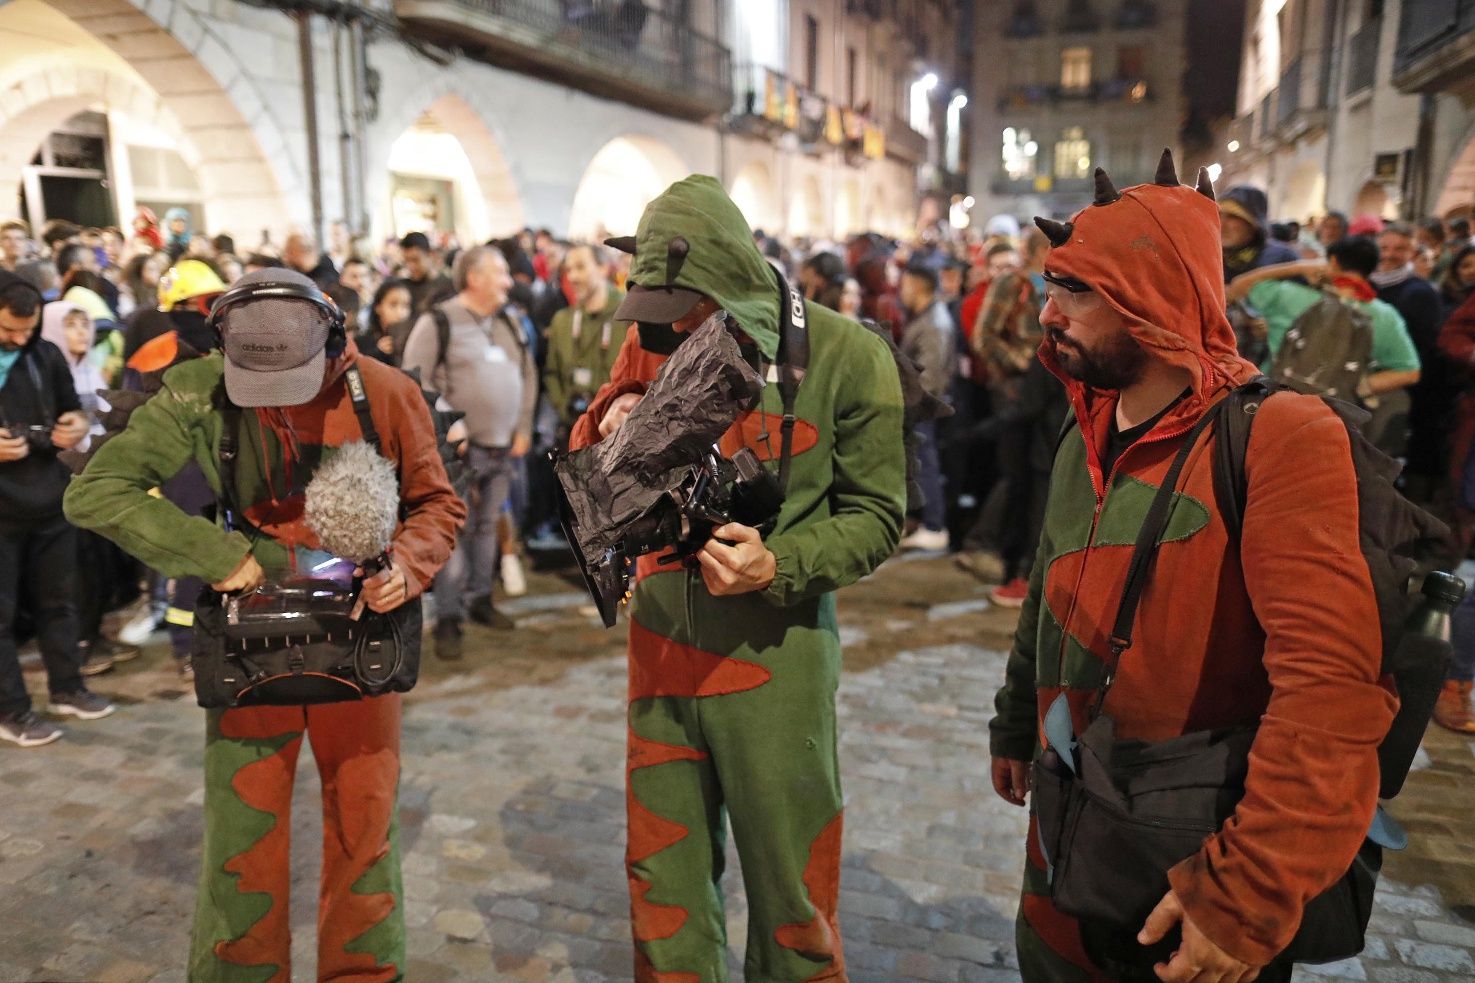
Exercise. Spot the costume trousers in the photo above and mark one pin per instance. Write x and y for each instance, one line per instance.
(241, 928)
(747, 738)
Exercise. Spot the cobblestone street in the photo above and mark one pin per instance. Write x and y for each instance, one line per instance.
(512, 812)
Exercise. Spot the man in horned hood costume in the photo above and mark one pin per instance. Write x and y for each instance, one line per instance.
(1279, 628)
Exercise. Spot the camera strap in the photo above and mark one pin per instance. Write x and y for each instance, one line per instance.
(793, 362)
(360, 401)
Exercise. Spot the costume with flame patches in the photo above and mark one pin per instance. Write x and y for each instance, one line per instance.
(732, 699)
(1280, 628)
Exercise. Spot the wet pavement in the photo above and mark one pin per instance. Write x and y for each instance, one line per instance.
(512, 814)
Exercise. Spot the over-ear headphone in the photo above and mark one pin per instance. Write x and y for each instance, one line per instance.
(246, 292)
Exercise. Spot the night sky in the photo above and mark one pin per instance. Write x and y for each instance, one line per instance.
(1211, 78)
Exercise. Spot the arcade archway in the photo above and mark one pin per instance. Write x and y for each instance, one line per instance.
(621, 179)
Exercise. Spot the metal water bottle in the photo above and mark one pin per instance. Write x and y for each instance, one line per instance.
(1419, 665)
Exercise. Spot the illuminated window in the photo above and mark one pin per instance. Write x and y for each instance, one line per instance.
(1072, 154)
(1020, 154)
(1075, 68)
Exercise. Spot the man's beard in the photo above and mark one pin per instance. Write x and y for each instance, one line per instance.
(1115, 364)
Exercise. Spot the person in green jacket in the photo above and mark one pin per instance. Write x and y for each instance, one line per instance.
(734, 664)
(584, 340)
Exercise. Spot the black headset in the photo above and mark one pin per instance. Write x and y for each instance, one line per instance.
(247, 292)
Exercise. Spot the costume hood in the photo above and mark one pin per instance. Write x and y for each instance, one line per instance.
(89, 301)
(1249, 203)
(693, 236)
(53, 317)
(1153, 252)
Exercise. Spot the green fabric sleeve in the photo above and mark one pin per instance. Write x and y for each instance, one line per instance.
(1014, 731)
(1393, 350)
(111, 497)
(868, 493)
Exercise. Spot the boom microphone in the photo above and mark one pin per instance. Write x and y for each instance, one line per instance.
(353, 506)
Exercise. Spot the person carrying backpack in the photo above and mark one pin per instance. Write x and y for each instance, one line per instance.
(1271, 635)
(1326, 353)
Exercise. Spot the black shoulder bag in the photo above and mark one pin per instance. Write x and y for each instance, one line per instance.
(296, 643)
(1114, 816)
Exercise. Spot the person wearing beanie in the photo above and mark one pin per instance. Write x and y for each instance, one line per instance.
(284, 365)
(1244, 231)
(1278, 632)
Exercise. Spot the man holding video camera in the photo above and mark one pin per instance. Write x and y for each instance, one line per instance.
(735, 659)
(583, 339)
(40, 415)
(285, 381)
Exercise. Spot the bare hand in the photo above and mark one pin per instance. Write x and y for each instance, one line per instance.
(12, 448)
(1011, 780)
(742, 568)
(521, 444)
(70, 428)
(248, 575)
(386, 590)
(1197, 960)
(385, 344)
(618, 410)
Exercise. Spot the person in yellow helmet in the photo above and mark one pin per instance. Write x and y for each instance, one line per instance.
(186, 292)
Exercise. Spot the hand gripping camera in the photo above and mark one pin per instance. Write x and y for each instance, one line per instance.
(659, 482)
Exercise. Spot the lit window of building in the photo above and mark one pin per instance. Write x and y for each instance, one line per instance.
(1072, 154)
(1075, 68)
(1020, 154)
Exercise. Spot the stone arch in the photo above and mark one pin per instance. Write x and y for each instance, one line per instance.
(1372, 199)
(1455, 196)
(807, 209)
(848, 219)
(1305, 191)
(193, 83)
(621, 178)
(753, 191)
(465, 115)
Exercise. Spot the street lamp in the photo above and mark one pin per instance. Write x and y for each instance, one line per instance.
(1234, 146)
(1215, 170)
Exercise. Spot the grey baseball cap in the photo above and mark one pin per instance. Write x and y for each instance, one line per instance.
(274, 338)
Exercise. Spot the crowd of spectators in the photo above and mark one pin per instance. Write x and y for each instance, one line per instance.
(519, 333)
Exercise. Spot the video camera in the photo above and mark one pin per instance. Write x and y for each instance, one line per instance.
(703, 497)
(659, 482)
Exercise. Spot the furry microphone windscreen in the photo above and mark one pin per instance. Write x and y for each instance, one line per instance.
(353, 503)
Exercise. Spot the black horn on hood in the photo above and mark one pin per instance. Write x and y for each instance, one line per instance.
(1057, 232)
(1106, 192)
(1206, 184)
(625, 244)
(1167, 174)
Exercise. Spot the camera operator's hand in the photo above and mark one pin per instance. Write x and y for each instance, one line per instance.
(615, 416)
(1197, 958)
(12, 448)
(70, 428)
(386, 590)
(741, 568)
(248, 575)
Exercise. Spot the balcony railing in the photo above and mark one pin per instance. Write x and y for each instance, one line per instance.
(1362, 56)
(1436, 43)
(905, 143)
(771, 103)
(1109, 91)
(647, 58)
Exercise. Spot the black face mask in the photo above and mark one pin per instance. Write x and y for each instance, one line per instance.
(659, 339)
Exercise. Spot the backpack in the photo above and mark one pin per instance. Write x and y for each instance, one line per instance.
(443, 335)
(1327, 350)
(1391, 530)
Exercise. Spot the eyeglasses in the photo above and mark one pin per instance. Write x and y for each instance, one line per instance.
(1071, 302)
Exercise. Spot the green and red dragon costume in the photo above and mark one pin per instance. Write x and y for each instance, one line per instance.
(732, 699)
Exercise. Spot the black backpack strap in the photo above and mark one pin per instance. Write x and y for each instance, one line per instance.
(1149, 539)
(1231, 486)
(360, 400)
(793, 362)
(230, 426)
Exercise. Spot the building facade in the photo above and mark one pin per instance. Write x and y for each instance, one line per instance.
(1359, 106)
(1064, 86)
(468, 117)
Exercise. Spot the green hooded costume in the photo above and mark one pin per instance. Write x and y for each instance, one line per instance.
(732, 699)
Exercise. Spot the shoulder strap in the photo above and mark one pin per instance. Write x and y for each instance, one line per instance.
(442, 335)
(1149, 539)
(1231, 486)
(793, 358)
(360, 400)
(230, 425)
